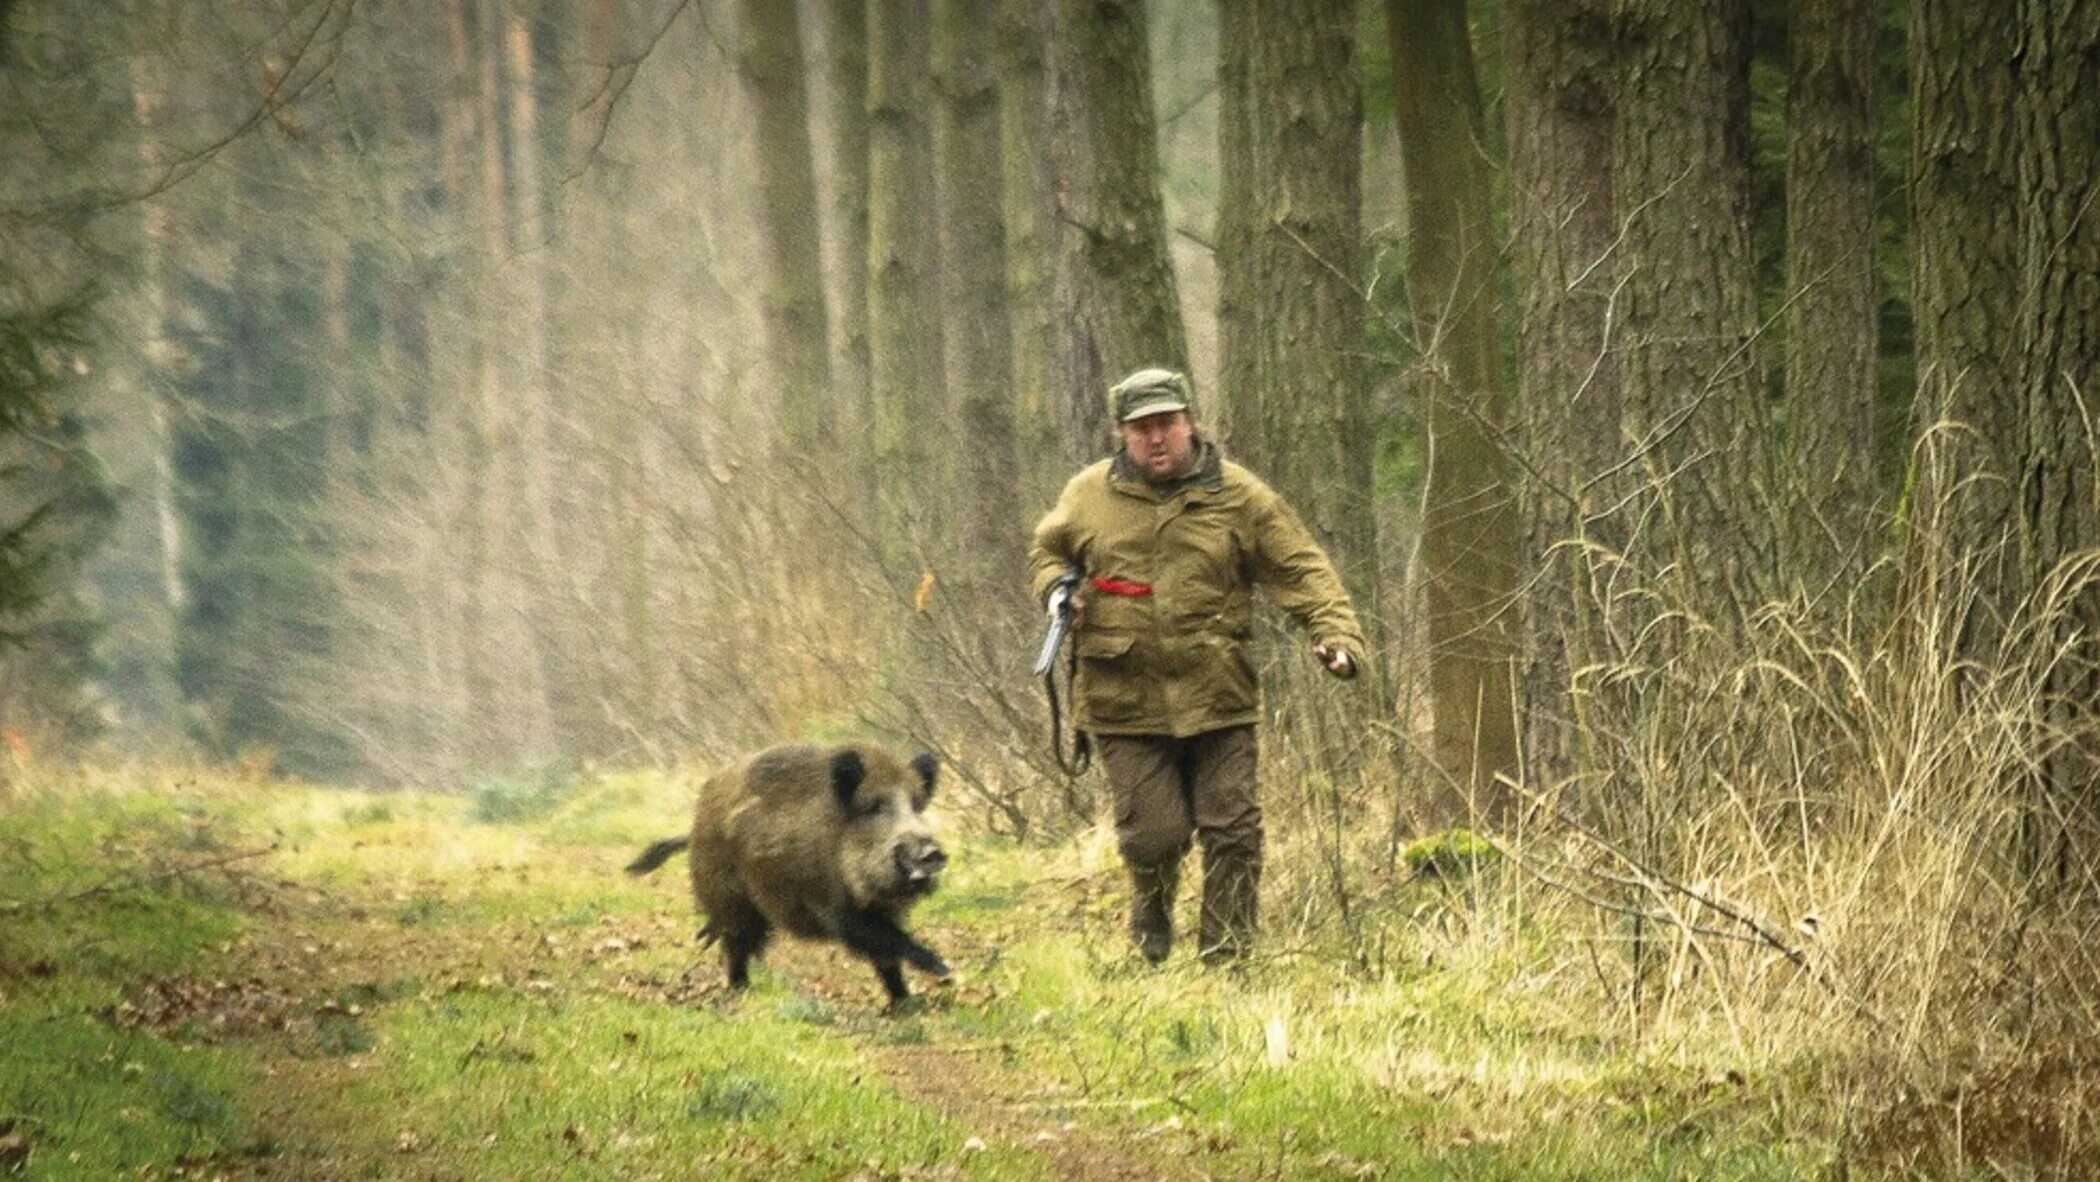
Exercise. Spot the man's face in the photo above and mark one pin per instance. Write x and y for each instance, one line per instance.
(1162, 445)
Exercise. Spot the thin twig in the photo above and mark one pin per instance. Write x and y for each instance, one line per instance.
(129, 882)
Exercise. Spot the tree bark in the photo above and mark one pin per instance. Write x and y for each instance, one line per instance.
(2059, 369)
(2059, 321)
(1965, 285)
(1833, 295)
(1290, 247)
(904, 327)
(1114, 285)
(1243, 411)
(1692, 387)
(845, 34)
(1027, 186)
(1469, 532)
(797, 328)
(976, 331)
(1561, 232)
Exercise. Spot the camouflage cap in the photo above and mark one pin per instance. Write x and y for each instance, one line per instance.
(1151, 391)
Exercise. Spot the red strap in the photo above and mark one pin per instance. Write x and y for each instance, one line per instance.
(1108, 586)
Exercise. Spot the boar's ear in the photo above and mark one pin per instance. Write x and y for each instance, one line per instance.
(847, 771)
(928, 765)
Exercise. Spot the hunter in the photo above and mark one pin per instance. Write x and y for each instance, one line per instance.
(1173, 538)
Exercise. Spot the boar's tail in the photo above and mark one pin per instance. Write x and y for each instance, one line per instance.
(657, 854)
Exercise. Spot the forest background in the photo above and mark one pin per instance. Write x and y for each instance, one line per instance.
(1693, 395)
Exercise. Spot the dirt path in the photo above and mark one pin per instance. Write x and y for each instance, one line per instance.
(978, 1085)
(313, 967)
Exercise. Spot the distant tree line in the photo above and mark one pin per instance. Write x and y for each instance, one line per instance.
(500, 381)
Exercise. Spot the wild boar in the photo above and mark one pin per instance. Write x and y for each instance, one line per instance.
(826, 843)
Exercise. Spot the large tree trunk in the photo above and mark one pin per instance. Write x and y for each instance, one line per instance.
(797, 329)
(1965, 287)
(1027, 186)
(1833, 297)
(1114, 285)
(976, 333)
(1469, 533)
(1291, 314)
(2059, 320)
(2058, 372)
(1561, 230)
(1693, 390)
(845, 35)
(904, 327)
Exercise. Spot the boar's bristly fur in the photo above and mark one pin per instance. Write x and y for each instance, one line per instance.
(827, 843)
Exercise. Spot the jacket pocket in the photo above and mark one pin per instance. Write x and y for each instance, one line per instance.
(1111, 688)
(1105, 646)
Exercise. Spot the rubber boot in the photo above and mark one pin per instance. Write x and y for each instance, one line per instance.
(1152, 909)
(1231, 896)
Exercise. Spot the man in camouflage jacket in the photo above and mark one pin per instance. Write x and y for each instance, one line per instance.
(1174, 538)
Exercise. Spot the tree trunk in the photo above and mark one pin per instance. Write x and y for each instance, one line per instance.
(498, 495)
(845, 33)
(150, 535)
(1469, 532)
(1833, 309)
(2059, 323)
(1290, 246)
(797, 329)
(904, 327)
(976, 332)
(1114, 284)
(534, 540)
(1027, 186)
(1561, 233)
(1693, 390)
(1243, 404)
(2059, 369)
(1965, 285)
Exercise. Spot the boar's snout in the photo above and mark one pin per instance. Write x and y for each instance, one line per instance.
(919, 861)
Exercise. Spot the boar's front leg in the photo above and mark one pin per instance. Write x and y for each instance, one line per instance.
(877, 937)
(892, 976)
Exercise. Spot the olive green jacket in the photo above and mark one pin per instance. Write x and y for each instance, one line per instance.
(1174, 662)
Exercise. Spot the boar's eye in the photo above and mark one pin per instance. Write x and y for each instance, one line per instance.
(928, 765)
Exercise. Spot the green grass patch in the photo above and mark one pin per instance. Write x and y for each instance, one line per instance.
(514, 1082)
(464, 984)
(523, 796)
(96, 1101)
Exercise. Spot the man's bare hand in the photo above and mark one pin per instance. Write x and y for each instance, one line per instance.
(1337, 660)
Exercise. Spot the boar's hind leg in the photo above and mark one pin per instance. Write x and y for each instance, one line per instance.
(877, 937)
(744, 933)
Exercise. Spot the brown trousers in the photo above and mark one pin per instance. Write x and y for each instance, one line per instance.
(1167, 790)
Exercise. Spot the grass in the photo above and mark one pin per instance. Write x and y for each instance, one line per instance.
(407, 986)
